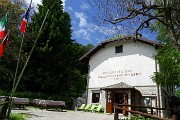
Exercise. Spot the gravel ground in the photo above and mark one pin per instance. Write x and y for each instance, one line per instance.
(38, 114)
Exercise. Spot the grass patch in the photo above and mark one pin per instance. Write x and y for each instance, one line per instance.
(136, 118)
(18, 116)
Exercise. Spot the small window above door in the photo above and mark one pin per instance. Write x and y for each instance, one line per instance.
(119, 49)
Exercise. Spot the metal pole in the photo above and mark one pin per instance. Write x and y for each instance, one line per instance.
(16, 72)
(19, 78)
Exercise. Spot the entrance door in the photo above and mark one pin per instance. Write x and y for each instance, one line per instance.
(109, 101)
(121, 97)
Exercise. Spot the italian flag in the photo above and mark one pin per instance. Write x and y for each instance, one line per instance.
(4, 43)
(2, 26)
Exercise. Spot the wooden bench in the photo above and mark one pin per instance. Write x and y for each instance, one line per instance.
(36, 102)
(56, 104)
(20, 102)
(51, 104)
(44, 103)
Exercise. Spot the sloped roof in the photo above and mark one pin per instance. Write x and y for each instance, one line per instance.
(85, 58)
(121, 85)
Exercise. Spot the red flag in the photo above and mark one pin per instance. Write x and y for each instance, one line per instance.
(3, 44)
(24, 21)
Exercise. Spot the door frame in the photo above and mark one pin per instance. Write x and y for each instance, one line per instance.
(110, 99)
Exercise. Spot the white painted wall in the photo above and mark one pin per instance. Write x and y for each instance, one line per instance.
(134, 66)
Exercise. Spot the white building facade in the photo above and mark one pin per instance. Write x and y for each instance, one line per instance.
(120, 71)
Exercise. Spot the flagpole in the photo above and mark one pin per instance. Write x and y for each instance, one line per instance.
(19, 78)
(31, 51)
(17, 67)
(19, 56)
(15, 76)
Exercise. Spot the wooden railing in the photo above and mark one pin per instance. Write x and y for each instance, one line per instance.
(150, 115)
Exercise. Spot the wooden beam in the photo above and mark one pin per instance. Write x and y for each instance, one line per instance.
(141, 113)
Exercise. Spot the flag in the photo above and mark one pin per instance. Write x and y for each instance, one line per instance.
(24, 21)
(3, 44)
(2, 26)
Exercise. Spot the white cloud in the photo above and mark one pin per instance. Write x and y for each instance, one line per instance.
(89, 31)
(35, 2)
(82, 18)
(82, 33)
(70, 9)
(64, 1)
(85, 6)
(112, 30)
(86, 29)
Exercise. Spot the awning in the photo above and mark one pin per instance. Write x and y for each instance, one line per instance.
(120, 85)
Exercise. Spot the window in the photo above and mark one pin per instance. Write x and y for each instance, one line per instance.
(119, 49)
(148, 101)
(95, 97)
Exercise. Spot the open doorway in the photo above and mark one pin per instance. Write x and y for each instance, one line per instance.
(116, 97)
(121, 97)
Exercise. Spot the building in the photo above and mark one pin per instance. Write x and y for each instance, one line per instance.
(120, 71)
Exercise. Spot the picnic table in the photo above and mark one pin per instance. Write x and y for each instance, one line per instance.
(51, 104)
(20, 102)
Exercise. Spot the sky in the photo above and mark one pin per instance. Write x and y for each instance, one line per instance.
(84, 29)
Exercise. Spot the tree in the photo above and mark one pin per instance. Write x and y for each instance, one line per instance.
(9, 59)
(46, 64)
(167, 58)
(54, 66)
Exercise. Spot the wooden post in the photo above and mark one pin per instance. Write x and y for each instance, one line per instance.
(4, 107)
(174, 117)
(151, 111)
(115, 114)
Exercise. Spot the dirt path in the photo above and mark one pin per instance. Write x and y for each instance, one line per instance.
(38, 114)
